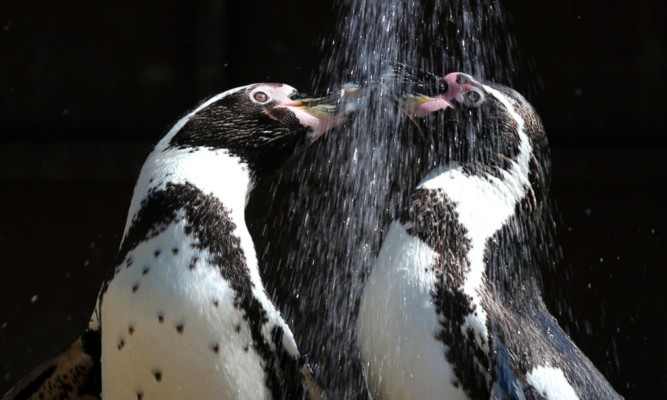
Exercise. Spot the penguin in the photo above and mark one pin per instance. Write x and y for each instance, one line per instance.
(452, 308)
(184, 313)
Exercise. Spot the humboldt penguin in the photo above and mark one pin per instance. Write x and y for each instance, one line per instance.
(184, 313)
(453, 308)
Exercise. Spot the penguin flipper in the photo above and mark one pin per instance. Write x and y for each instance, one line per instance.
(506, 385)
(314, 387)
(74, 374)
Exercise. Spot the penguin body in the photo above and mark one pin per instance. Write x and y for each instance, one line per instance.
(185, 313)
(452, 308)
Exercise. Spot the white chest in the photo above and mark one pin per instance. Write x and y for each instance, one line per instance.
(170, 329)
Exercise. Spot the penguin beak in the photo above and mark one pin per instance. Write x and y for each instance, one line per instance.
(419, 105)
(408, 85)
(323, 113)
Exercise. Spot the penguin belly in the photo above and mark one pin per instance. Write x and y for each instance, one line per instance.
(397, 324)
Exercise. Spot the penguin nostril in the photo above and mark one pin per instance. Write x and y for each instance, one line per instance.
(297, 96)
(461, 79)
(443, 87)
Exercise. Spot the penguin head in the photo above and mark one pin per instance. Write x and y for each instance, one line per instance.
(263, 124)
(480, 123)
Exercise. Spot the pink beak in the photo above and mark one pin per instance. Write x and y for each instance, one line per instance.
(418, 105)
(323, 113)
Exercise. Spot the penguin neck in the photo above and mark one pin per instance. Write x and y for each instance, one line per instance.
(214, 172)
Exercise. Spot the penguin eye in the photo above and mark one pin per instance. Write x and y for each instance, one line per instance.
(473, 98)
(260, 97)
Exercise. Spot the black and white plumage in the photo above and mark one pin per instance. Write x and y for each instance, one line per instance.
(184, 314)
(452, 308)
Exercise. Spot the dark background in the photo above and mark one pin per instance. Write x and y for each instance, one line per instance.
(87, 88)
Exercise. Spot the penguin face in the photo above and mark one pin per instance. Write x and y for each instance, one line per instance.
(263, 124)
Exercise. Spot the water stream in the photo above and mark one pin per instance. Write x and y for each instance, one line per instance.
(338, 200)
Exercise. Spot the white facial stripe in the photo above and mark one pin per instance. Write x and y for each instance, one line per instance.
(164, 142)
(484, 204)
(525, 148)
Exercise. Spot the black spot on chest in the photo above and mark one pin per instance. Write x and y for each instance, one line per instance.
(211, 228)
(211, 231)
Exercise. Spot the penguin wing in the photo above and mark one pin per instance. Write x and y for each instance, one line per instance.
(506, 385)
(577, 369)
(73, 374)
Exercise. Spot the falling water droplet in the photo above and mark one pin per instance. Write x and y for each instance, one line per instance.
(370, 167)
